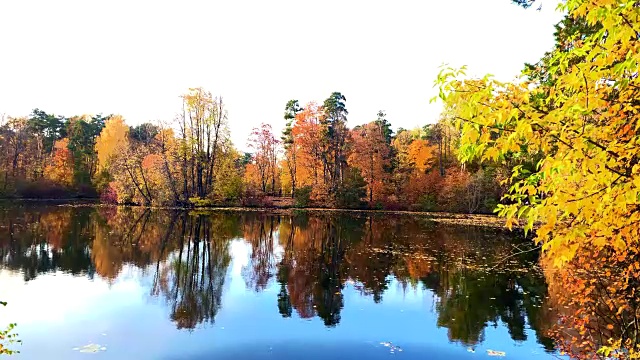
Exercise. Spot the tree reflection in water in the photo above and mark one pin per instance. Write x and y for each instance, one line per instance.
(309, 259)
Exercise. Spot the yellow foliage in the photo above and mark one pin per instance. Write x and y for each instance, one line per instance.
(113, 140)
(421, 155)
(587, 186)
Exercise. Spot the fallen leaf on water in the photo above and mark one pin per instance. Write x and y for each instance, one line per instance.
(392, 348)
(496, 353)
(91, 348)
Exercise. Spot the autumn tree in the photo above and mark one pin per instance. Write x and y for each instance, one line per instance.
(203, 127)
(371, 154)
(129, 156)
(15, 139)
(414, 161)
(168, 150)
(581, 118)
(265, 146)
(307, 133)
(60, 168)
(112, 141)
(229, 185)
(46, 129)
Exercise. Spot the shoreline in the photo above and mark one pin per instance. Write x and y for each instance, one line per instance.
(484, 220)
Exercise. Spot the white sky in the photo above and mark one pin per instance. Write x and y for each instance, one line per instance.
(136, 57)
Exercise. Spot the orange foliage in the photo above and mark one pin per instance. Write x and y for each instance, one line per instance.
(152, 161)
(252, 177)
(453, 184)
(60, 169)
(56, 226)
(598, 295)
(421, 155)
(307, 133)
(265, 146)
(371, 155)
(417, 186)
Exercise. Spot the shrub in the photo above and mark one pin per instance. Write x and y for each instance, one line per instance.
(302, 196)
(392, 204)
(85, 191)
(256, 199)
(353, 189)
(198, 202)
(427, 202)
(42, 189)
(109, 195)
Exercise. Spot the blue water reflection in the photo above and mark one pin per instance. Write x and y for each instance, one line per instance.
(244, 285)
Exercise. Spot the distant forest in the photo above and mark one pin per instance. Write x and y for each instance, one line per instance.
(318, 160)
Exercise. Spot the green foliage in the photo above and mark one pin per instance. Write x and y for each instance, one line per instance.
(50, 126)
(82, 133)
(101, 180)
(291, 110)
(524, 3)
(229, 184)
(7, 337)
(232, 188)
(385, 125)
(302, 196)
(198, 202)
(144, 133)
(428, 202)
(352, 190)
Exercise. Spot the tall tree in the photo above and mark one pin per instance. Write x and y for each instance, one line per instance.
(203, 128)
(385, 126)
(46, 130)
(265, 145)
(291, 111)
(335, 133)
(82, 132)
(310, 160)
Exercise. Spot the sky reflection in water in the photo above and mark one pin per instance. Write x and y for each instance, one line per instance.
(162, 285)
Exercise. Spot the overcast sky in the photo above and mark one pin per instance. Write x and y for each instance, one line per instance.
(136, 57)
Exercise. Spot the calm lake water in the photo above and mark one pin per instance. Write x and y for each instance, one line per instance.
(141, 284)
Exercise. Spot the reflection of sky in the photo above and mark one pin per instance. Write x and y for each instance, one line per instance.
(57, 312)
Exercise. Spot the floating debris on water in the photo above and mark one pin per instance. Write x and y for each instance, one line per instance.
(90, 348)
(392, 348)
(496, 353)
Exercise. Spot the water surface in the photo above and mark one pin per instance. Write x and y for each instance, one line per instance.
(151, 284)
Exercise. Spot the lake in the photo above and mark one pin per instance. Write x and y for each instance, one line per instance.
(117, 283)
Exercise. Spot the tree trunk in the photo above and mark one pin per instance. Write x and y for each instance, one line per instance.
(135, 182)
(371, 179)
(146, 185)
(440, 146)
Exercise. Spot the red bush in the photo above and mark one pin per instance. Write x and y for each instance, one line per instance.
(109, 195)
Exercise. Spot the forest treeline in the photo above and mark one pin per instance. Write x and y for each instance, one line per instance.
(318, 160)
